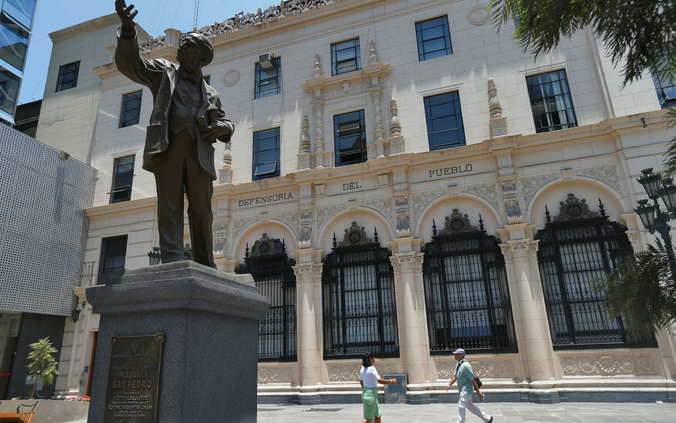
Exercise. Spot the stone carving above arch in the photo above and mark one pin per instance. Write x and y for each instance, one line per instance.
(421, 201)
(608, 365)
(291, 219)
(384, 207)
(607, 175)
(308, 271)
(521, 249)
(326, 213)
(240, 225)
(488, 192)
(531, 185)
(267, 246)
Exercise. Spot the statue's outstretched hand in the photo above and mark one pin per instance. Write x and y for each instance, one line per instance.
(126, 15)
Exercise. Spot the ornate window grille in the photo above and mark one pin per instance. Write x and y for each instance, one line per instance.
(466, 290)
(358, 296)
(273, 273)
(576, 247)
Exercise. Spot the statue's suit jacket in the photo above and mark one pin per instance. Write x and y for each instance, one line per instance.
(160, 76)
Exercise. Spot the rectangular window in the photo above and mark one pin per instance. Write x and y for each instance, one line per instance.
(666, 91)
(444, 121)
(9, 90)
(113, 254)
(131, 109)
(350, 138)
(345, 57)
(268, 78)
(13, 42)
(68, 76)
(550, 101)
(21, 10)
(123, 175)
(266, 154)
(434, 38)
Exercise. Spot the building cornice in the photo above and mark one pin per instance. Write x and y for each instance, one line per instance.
(92, 25)
(124, 207)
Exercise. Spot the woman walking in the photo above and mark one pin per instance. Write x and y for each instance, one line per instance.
(369, 380)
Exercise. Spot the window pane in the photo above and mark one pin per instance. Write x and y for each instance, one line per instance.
(9, 87)
(123, 176)
(444, 121)
(266, 154)
(551, 102)
(68, 76)
(350, 138)
(345, 57)
(268, 80)
(433, 38)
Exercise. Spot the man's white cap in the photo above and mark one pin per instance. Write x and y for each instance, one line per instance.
(459, 351)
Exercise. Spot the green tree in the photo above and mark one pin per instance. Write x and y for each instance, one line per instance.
(641, 289)
(43, 365)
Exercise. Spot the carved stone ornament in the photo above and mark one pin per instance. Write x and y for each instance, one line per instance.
(511, 199)
(457, 223)
(494, 107)
(529, 186)
(382, 206)
(607, 175)
(478, 16)
(407, 262)
(326, 213)
(607, 365)
(305, 238)
(242, 21)
(291, 220)
(239, 225)
(231, 78)
(350, 372)
(421, 201)
(635, 240)
(395, 125)
(574, 209)
(275, 375)
(220, 236)
(482, 368)
(308, 272)
(487, 191)
(403, 220)
(521, 249)
(355, 235)
(267, 247)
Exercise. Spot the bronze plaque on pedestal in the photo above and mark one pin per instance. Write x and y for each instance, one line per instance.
(133, 379)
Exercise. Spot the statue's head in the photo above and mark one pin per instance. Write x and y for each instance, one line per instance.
(194, 52)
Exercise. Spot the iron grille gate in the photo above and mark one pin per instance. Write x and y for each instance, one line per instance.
(273, 273)
(358, 298)
(578, 247)
(466, 290)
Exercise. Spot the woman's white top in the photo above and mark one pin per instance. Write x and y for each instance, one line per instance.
(369, 375)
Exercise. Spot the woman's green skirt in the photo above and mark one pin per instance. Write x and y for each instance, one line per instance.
(369, 396)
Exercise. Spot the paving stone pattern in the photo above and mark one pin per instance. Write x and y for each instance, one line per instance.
(502, 412)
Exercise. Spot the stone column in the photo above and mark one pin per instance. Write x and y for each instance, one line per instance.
(318, 107)
(410, 294)
(538, 359)
(309, 315)
(379, 131)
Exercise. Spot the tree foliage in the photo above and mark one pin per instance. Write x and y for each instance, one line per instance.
(641, 290)
(639, 32)
(42, 364)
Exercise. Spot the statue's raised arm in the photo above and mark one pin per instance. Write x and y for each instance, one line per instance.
(126, 14)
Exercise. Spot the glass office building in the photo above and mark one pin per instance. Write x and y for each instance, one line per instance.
(16, 23)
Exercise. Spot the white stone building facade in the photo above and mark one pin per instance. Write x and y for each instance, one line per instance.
(492, 185)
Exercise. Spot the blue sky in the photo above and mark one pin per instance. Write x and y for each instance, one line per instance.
(154, 16)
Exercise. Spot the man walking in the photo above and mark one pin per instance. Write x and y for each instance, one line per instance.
(466, 386)
(186, 120)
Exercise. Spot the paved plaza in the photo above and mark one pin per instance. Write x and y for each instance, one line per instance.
(502, 412)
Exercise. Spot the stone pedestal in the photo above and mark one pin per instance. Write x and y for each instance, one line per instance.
(210, 352)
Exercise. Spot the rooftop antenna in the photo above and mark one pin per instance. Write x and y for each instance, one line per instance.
(197, 9)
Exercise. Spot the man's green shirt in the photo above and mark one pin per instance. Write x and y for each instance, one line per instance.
(464, 376)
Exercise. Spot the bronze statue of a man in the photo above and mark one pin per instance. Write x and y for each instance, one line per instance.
(186, 120)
